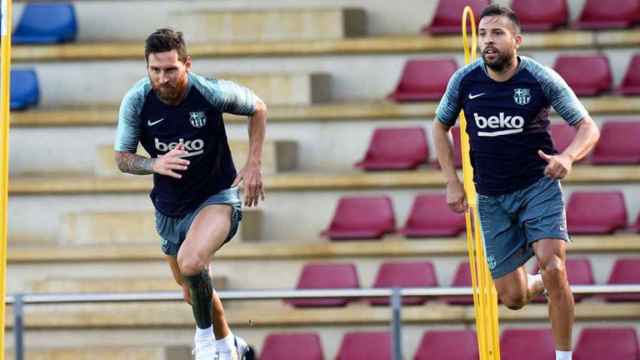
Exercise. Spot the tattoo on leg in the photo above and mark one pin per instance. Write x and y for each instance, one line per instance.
(201, 296)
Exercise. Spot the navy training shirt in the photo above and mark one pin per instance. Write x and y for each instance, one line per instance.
(508, 122)
(197, 123)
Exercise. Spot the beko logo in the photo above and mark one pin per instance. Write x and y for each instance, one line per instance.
(510, 124)
(193, 147)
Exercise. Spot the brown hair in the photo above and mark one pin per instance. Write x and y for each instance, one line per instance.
(501, 10)
(163, 40)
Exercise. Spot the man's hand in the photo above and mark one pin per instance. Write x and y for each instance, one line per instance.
(456, 198)
(558, 166)
(167, 164)
(251, 175)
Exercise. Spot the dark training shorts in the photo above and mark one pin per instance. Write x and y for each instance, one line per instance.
(173, 230)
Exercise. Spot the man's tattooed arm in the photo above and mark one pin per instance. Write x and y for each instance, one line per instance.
(134, 164)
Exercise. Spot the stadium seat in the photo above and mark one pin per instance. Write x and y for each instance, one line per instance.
(292, 346)
(462, 278)
(457, 157)
(534, 17)
(597, 14)
(405, 274)
(587, 75)
(624, 272)
(631, 82)
(46, 23)
(25, 91)
(596, 213)
(618, 143)
(358, 218)
(562, 135)
(430, 216)
(579, 272)
(326, 276)
(424, 80)
(396, 149)
(448, 345)
(446, 18)
(369, 345)
(607, 343)
(527, 344)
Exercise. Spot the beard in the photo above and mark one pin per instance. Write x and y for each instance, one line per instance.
(500, 61)
(171, 93)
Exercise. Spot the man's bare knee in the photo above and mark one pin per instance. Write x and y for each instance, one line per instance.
(191, 263)
(514, 301)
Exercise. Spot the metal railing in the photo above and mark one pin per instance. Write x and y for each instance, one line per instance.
(18, 301)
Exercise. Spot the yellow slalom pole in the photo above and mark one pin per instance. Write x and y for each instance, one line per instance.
(5, 65)
(484, 292)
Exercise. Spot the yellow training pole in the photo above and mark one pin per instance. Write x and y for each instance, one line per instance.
(484, 293)
(5, 64)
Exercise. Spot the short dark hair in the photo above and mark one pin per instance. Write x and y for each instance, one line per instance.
(501, 10)
(163, 40)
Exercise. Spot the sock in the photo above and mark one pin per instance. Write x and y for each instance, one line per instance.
(201, 292)
(204, 333)
(563, 355)
(226, 344)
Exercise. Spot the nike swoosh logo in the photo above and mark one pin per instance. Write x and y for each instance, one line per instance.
(151, 123)
(471, 97)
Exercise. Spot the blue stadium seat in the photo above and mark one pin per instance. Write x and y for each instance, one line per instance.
(46, 23)
(24, 89)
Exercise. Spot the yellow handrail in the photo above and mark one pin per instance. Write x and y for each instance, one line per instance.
(484, 292)
(5, 65)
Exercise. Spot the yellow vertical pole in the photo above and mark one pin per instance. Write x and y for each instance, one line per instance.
(5, 65)
(484, 292)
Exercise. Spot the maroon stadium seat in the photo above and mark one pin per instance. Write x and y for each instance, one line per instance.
(448, 345)
(424, 80)
(396, 149)
(292, 346)
(362, 218)
(579, 272)
(527, 344)
(607, 343)
(598, 14)
(365, 345)
(457, 158)
(448, 15)
(631, 81)
(326, 276)
(624, 272)
(534, 17)
(618, 143)
(596, 212)
(405, 274)
(462, 278)
(431, 216)
(562, 135)
(587, 75)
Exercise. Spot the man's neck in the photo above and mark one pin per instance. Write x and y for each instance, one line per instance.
(506, 73)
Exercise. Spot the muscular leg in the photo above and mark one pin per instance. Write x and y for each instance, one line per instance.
(517, 289)
(551, 256)
(206, 234)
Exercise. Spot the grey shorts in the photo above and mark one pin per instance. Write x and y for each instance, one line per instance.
(173, 230)
(512, 222)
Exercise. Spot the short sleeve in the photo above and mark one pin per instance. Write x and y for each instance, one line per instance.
(128, 130)
(227, 96)
(560, 95)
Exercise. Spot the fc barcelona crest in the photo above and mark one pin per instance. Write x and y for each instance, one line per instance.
(522, 96)
(198, 119)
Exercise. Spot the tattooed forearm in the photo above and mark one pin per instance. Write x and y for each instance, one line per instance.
(134, 164)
